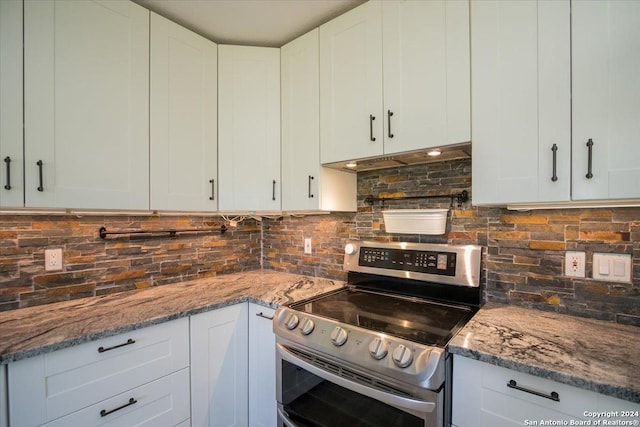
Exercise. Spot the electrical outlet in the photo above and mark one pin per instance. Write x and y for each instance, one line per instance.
(574, 264)
(307, 245)
(53, 259)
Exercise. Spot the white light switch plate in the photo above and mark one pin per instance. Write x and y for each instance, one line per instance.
(612, 267)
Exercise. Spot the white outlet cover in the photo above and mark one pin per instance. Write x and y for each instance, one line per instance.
(53, 259)
(307, 245)
(574, 264)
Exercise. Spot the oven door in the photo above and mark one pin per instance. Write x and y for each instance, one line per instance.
(314, 391)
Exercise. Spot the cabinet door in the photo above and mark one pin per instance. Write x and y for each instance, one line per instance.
(351, 85)
(262, 367)
(426, 74)
(86, 110)
(11, 180)
(305, 184)
(249, 128)
(219, 359)
(605, 38)
(4, 398)
(184, 118)
(520, 62)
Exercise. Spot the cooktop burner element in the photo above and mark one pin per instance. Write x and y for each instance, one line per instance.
(425, 322)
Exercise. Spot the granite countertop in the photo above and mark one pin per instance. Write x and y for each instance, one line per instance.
(30, 331)
(586, 353)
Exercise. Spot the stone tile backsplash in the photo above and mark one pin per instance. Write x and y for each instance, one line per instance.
(93, 266)
(523, 261)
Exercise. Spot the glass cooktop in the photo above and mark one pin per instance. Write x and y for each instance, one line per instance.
(423, 321)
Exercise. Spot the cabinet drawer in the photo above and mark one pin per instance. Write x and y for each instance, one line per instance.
(161, 403)
(52, 385)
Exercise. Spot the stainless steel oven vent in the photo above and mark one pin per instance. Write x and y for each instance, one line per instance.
(346, 373)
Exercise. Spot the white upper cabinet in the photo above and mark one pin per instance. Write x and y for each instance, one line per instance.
(605, 37)
(183, 127)
(521, 101)
(249, 128)
(394, 77)
(351, 84)
(11, 158)
(426, 74)
(86, 106)
(305, 184)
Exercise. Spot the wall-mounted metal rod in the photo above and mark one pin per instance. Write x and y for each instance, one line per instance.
(460, 198)
(104, 233)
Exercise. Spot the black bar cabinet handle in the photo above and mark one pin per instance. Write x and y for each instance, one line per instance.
(552, 396)
(389, 115)
(264, 316)
(273, 194)
(213, 189)
(39, 163)
(310, 179)
(554, 149)
(7, 160)
(590, 161)
(371, 119)
(129, 342)
(104, 412)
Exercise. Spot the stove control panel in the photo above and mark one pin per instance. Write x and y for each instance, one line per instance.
(440, 263)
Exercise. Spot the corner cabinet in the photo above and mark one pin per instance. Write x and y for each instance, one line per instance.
(86, 104)
(11, 157)
(249, 128)
(183, 118)
(556, 98)
(306, 185)
(219, 367)
(486, 395)
(394, 77)
(262, 367)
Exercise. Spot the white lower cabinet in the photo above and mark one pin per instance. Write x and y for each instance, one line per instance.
(98, 375)
(219, 374)
(262, 367)
(482, 397)
(164, 402)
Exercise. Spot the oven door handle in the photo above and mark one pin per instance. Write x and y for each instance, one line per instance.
(388, 398)
(285, 419)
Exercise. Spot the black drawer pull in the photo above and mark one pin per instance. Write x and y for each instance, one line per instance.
(389, 115)
(552, 396)
(7, 160)
(554, 176)
(213, 189)
(104, 412)
(589, 174)
(273, 194)
(39, 163)
(129, 342)
(371, 119)
(264, 316)
(310, 194)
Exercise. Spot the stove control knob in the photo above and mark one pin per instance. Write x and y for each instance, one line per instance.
(378, 349)
(349, 249)
(291, 322)
(402, 356)
(339, 336)
(307, 327)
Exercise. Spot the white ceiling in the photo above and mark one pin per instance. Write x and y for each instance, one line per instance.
(270, 23)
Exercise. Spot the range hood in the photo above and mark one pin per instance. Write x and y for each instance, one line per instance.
(409, 158)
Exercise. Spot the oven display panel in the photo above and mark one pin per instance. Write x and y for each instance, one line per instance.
(442, 263)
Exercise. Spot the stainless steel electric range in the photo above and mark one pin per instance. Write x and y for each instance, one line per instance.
(374, 353)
